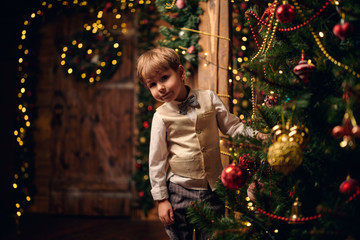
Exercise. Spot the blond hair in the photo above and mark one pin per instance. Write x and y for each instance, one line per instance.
(155, 60)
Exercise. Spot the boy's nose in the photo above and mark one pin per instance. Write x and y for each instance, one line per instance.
(161, 87)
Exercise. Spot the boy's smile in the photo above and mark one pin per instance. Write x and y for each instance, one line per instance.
(167, 85)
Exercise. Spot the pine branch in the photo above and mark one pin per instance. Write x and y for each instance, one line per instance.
(201, 214)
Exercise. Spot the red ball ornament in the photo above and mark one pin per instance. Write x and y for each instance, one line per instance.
(108, 5)
(285, 13)
(244, 6)
(304, 68)
(349, 186)
(233, 176)
(146, 124)
(343, 30)
(144, 22)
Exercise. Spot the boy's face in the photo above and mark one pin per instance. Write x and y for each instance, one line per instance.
(167, 85)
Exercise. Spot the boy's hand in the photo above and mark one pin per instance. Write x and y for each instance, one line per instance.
(262, 136)
(165, 212)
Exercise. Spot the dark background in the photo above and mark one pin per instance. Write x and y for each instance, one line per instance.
(12, 16)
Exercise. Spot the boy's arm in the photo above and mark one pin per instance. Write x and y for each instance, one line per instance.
(157, 169)
(230, 124)
(157, 159)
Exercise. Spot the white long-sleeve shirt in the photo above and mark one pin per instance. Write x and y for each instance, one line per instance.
(228, 124)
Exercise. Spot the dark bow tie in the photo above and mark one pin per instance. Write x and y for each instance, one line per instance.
(189, 102)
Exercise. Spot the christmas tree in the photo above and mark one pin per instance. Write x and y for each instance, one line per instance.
(303, 182)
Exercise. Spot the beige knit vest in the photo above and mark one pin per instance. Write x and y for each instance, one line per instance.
(193, 148)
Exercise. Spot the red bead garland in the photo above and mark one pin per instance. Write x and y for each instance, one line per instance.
(302, 219)
(354, 195)
(252, 31)
(292, 28)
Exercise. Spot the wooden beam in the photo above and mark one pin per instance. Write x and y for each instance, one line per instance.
(215, 53)
(215, 49)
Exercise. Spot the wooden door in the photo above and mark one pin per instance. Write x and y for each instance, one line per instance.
(84, 134)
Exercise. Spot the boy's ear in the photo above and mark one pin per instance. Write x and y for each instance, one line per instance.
(181, 70)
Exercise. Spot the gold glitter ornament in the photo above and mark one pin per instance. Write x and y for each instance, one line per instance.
(299, 134)
(285, 157)
(279, 133)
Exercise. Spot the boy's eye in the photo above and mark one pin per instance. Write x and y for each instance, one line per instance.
(164, 77)
(151, 85)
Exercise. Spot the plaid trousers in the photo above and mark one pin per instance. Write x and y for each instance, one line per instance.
(180, 199)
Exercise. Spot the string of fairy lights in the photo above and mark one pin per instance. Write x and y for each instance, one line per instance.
(26, 81)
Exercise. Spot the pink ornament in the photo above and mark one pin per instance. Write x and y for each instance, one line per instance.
(253, 188)
(338, 131)
(356, 131)
(191, 49)
(180, 4)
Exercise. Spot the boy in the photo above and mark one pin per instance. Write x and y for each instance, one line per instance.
(184, 158)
